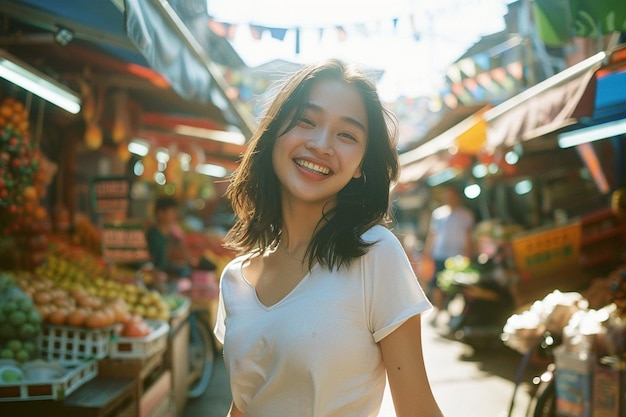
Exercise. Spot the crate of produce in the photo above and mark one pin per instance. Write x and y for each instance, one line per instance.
(37, 384)
(71, 345)
(140, 347)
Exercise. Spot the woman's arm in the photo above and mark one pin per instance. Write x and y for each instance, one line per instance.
(234, 411)
(408, 382)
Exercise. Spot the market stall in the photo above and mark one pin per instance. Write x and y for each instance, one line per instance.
(83, 330)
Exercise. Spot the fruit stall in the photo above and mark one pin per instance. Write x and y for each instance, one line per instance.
(83, 331)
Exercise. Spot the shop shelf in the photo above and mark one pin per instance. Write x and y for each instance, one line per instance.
(52, 389)
(140, 347)
(603, 235)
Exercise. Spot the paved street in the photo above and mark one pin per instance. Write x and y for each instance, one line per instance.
(465, 384)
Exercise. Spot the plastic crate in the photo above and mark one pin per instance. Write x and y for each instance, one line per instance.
(53, 389)
(140, 347)
(71, 345)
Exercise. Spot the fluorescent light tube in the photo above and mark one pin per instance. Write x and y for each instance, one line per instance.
(21, 74)
(139, 147)
(235, 138)
(212, 170)
(442, 177)
(592, 133)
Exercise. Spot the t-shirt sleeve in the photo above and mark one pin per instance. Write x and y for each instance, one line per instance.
(392, 292)
(220, 320)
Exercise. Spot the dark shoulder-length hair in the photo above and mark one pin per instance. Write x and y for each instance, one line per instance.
(254, 190)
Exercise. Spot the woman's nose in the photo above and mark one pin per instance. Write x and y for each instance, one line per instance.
(320, 141)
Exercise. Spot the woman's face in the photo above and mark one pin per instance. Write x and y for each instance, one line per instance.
(323, 152)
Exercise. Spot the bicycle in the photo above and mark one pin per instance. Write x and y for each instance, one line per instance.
(201, 289)
(202, 351)
(201, 347)
(542, 401)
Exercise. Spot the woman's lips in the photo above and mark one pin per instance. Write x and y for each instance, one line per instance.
(312, 167)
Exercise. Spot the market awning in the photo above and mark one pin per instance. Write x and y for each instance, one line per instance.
(588, 93)
(553, 104)
(605, 98)
(465, 137)
(103, 24)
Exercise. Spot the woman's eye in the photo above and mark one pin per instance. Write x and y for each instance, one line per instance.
(348, 136)
(305, 121)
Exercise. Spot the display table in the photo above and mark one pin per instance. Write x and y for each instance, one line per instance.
(100, 397)
(152, 381)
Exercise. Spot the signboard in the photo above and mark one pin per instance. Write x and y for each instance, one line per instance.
(111, 196)
(547, 250)
(124, 242)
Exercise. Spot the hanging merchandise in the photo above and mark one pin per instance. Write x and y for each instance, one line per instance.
(22, 217)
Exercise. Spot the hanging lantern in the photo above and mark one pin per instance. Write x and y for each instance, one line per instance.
(121, 129)
(93, 136)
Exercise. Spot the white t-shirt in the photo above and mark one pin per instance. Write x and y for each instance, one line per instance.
(315, 352)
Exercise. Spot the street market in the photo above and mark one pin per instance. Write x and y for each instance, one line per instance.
(114, 111)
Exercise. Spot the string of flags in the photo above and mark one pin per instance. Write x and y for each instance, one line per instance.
(257, 32)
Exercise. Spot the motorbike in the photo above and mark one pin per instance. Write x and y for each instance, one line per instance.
(482, 301)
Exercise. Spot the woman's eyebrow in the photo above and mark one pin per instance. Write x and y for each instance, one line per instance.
(347, 119)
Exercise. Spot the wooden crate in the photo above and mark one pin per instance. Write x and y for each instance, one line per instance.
(144, 371)
(100, 397)
(155, 402)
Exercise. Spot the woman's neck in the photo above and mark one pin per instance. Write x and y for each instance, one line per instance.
(298, 226)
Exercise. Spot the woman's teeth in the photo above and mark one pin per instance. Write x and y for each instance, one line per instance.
(309, 166)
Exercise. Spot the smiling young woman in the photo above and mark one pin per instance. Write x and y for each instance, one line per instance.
(322, 304)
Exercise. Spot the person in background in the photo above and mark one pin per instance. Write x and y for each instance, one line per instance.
(449, 235)
(321, 305)
(166, 242)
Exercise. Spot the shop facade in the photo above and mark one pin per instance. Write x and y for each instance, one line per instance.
(549, 170)
(79, 179)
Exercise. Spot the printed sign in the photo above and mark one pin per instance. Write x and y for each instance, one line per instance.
(111, 196)
(124, 242)
(547, 250)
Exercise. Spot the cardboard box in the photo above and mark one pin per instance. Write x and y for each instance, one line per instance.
(574, 380)
(607, 395)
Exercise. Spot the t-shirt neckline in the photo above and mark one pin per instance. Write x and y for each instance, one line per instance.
(282, 300)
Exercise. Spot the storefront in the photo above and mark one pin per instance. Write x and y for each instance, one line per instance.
(553, 164)
(88, 334)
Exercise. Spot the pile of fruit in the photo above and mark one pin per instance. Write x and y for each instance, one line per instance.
(35, 370)
(84, 275)
(20, 322)
(21, 186)
(87, 235)
(74, 305)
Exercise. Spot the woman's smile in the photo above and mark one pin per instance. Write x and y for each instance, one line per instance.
(312, 167)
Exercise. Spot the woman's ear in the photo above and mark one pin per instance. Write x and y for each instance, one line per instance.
(358, 173)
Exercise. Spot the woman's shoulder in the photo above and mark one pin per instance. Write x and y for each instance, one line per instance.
(376, 233)
(233, 266)
(382, 238)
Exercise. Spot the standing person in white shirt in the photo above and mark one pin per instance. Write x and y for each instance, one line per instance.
(322, 304)
(449, 235)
